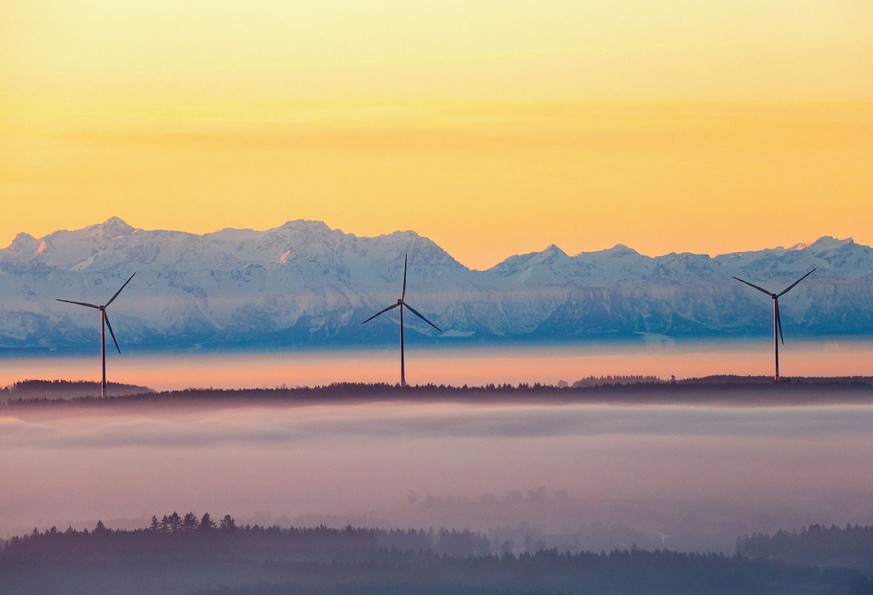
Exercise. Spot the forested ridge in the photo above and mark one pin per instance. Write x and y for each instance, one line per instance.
(744, 390)
(191, 554)
(817, 545)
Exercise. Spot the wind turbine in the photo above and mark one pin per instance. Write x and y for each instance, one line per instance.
(401, 303)
(104, 324)
(777, 320)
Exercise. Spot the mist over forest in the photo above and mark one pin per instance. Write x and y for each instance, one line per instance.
(690, 474)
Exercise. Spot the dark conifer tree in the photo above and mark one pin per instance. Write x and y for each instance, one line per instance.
(227, 523)
(206, 522)
(189, 522)
(175, 522)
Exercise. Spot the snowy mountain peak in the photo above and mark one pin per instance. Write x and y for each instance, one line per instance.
(112, 227)
(553, 256)
(830, 243)
(622, 250)
(616, 251)
(552, 249)
(24, 242)
(525, 263)
(305, 225)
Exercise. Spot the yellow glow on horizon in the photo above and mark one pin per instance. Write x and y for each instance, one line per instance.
(493, 128)
(482, 180)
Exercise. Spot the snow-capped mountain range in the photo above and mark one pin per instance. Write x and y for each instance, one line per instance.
(304, 284)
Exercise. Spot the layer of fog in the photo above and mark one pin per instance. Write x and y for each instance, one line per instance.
(592, 476)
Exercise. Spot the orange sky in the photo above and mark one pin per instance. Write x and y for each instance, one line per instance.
(491, 127)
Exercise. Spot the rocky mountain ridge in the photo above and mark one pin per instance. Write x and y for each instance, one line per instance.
(305, 284)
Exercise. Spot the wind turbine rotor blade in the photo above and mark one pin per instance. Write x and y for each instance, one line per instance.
(416, 312)
(403, 293)
(109, 326)
(790, 287)
(753, 285)
(112, 299)
(380, 312)
(779, 322)
(87, 305)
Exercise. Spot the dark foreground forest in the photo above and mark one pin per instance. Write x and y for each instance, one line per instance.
(187, 554)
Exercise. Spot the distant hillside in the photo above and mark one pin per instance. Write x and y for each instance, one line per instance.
(733, 390)
(67, 389)
(305, 285)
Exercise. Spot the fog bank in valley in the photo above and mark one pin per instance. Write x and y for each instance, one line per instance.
(574, 475)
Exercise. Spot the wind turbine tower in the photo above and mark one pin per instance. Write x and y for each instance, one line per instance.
(777, 319)
(401, 303)
(104, 324)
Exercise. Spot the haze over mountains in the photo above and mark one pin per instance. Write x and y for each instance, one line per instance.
(304, 284)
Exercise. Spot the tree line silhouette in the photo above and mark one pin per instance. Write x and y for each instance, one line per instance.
(190, 532)
(177, 524)
(187, 553)
(621, 389)
(849, 547)
(65, 388)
